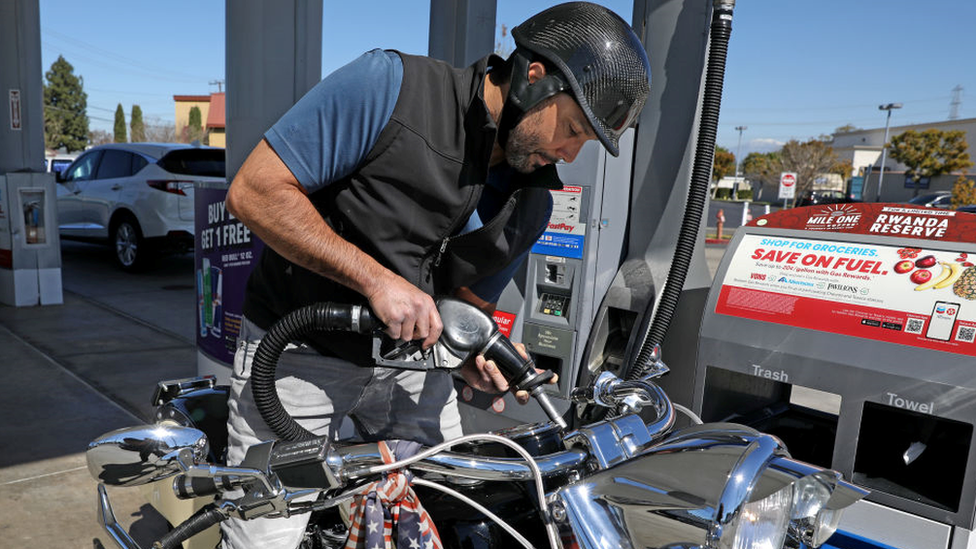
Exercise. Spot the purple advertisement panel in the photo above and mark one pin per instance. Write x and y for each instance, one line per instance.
(226, 251)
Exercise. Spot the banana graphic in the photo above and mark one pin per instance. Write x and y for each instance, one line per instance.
(946, 274)
(956, 269)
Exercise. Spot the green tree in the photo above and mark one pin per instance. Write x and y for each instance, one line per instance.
(930, 153)
(762, 169)
(65, 103)
(963, 192)
(120, 136)
(808, 160)
(724, 164)
(194, 126)
(136, 124)
(844, 168)
(847, 128)
(99, 137)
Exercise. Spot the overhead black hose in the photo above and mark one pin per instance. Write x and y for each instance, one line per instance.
(206, 517)
(701, 176)
(293, 327)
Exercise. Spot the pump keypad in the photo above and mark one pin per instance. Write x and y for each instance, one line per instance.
(552, 304)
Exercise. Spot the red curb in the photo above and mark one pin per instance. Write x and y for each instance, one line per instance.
(716, 241)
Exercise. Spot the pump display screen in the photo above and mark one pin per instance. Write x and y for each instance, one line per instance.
(919, 296)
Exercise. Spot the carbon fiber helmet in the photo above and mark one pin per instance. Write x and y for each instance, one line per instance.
(598, 60)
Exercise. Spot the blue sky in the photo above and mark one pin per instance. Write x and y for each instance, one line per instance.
(795, 70)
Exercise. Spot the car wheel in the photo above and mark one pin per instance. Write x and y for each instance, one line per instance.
(129, 246)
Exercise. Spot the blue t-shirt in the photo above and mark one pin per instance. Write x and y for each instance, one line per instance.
(328, 133)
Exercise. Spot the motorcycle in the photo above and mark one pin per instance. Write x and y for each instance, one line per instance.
(622, 481)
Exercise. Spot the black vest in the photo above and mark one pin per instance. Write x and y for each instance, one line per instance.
(416, 189)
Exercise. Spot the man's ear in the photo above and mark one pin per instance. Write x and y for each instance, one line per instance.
(536, 72)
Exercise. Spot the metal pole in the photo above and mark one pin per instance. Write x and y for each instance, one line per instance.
(884, 145)
(738, 163)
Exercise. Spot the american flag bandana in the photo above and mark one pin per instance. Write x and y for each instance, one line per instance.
(390, 507)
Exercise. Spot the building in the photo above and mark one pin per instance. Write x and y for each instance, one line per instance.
(215, 121)
(211, 115)
(863, 149)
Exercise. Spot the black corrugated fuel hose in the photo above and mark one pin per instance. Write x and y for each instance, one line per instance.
(206, 517)
(294, 327)
(701, 176)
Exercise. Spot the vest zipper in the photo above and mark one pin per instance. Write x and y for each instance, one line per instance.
(444, 242)
(440, 253)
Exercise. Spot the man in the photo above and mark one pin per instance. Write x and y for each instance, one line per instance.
(398, 178)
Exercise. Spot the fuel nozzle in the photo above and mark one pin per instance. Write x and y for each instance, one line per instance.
(521, 373)
(469, 331)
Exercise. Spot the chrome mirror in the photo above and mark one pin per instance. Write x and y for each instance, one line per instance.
(139, 455)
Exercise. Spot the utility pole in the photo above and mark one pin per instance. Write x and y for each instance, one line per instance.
(884, 146)
(956, 101)
(738, 163)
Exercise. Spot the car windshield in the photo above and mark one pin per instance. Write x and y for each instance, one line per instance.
(199, 162)
(925, 198)
(59, 164)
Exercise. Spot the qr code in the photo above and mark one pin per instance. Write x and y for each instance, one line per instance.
(966, 334)
(914, 326)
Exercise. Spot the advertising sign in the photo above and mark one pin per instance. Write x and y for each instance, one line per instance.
(924, 297)
(787, 185)
(895, 220)
(226, 253)
(567, 230)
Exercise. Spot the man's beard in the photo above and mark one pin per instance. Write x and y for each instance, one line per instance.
(522, 144)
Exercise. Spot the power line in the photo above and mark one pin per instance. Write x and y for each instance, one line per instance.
(140, 64)
(805, 108)
(124, 92)
(52, 107)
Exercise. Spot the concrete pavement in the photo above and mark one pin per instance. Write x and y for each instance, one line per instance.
(75, 371)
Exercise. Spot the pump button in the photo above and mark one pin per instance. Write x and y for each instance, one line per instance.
(552, 304)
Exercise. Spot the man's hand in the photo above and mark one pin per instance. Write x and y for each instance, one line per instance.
(485, 376)
(407, 312)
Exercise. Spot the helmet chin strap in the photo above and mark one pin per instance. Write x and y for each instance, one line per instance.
(523, 95)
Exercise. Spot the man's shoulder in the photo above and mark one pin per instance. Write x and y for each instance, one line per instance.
(413, 62)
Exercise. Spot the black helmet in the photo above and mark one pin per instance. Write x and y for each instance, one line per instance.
(599, 60)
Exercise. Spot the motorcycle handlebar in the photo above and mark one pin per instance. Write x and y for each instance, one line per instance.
(357, 462)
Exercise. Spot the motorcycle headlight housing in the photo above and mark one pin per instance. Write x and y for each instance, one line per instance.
(714, 486)
(817, 510)
(761, 524)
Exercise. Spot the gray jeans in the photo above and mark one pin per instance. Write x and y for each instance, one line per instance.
(319, 392)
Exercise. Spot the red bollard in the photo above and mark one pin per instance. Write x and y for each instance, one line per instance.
(720, 218)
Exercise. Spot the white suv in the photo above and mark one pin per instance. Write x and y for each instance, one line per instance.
(135, 196)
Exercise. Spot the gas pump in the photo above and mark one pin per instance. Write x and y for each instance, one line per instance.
(30, 250)
(549, 305)
(848, 331)
(641, 268)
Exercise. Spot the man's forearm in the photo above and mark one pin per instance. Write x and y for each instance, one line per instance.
(284, 218)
